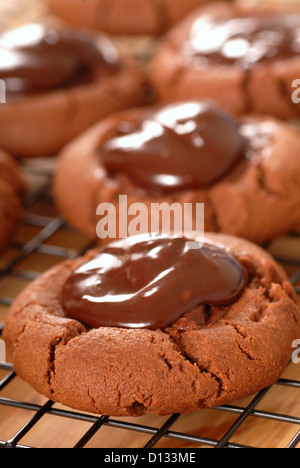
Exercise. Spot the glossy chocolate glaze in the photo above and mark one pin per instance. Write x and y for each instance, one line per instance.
(244, 41)
(150, 282)
(35, 59)
(181, 146)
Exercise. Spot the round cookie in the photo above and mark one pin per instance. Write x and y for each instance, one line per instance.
(245, 59)
(12, 191)
(211, 355)
(129, 17)
(60, 81)
(255, 196)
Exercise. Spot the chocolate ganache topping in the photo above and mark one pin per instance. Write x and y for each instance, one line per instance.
(244, 41)
(150, 281)
(178, 147)
(35, 59)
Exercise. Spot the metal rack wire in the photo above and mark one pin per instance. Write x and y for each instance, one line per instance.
(49, 226)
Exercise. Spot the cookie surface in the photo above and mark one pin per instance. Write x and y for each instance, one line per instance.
(257, 199)
(234, 352)
(130, 17)
(12, 190)
(60, 86)
(243, 68)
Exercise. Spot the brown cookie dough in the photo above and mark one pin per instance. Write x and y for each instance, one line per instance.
(245, 59)
(64, 81)
(221, 356)
(12, 190)
(130, 17)
(258, 198)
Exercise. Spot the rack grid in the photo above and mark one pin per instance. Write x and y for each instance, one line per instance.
(44, 228)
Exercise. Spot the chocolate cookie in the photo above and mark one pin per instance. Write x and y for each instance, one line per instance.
(12, 191)
(147, 324)
(59, 82)
(246, 171)
(130, 17)
(245, 59)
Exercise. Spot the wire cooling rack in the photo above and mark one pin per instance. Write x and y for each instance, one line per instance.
(41, 228)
